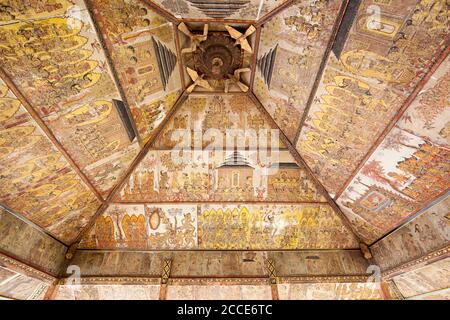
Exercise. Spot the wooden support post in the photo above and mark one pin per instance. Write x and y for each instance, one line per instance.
(273, 279)
(51, 291)
(165, 279)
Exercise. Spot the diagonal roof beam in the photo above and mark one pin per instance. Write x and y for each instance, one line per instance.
(253, 66)
(162, 12)
(181, 99)
(274, 12)
(326, 55)
(300, 160)
(26, 104)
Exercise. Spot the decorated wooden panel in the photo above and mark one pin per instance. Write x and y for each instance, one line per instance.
(219, 176)
(218, 121)
(330, 291)
(290, 52)
(24, 242)
(219, 227)
(390, 47)
(427, 232)
(56, 60)
(143, 51)
(219, 292)
(233, 264)
(14, 285)
(219, 9)
(433, 277)
(409, 169)
(107, 292)
(36, 180)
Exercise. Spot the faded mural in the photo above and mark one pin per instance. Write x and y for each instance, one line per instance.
(35, 179)
(291, 49)
(219, 9)
(330, 291)
(18, 286)
(427, 232)
(223, 176)
(409, 169)
(142, 47)
(214, 121)
(433, 277)
(366, 82)
(57, 62)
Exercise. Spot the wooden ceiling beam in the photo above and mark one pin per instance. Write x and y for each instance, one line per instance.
(162, 12)
(322, 66)
(302, 162)
(439, 60)
(253, 66)
(176, 36)
(33, 113)
(141, 155)
(274, 12)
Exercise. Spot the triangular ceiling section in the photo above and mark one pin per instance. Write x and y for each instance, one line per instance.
(291, 49)
(366, 82)
(142, 48)
(238, 198)
(36, 181)
(220, 9)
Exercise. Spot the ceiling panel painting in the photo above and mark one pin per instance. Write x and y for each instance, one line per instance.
(36, 180)
(432, 277)
(59, 66)
(409, 169)
(142, 46)
(215, 121)
(219, 9)
(219, 227)
(428, 232)
(219, 176)
(291, 49)
(19, 286)
(390, 47)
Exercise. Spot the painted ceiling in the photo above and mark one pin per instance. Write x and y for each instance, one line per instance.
(341, 136)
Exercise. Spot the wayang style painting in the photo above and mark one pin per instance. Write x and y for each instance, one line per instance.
(366, 82)
(36, 180)
(220, 227)
(409, 169)
(289, 56)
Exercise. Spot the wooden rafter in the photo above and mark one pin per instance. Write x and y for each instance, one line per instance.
(322, 66)
(274, 12)
(33, 113)
(302, 162)
(253, 65)
(162, 12)
(176, 36)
